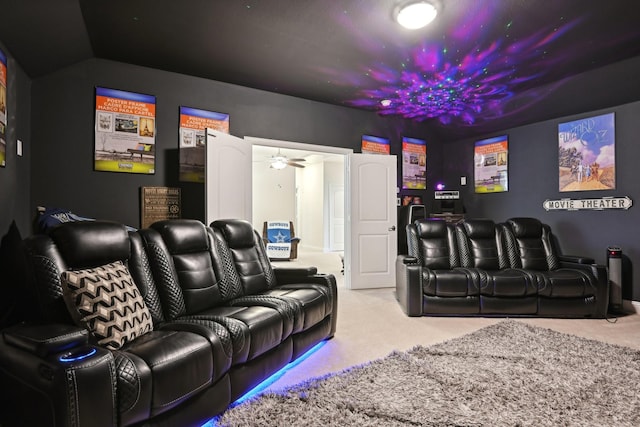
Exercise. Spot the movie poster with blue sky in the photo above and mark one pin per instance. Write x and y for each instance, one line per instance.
(414, 163)
(586, 154)
(125, 133)
(193, 125)
(3, 108)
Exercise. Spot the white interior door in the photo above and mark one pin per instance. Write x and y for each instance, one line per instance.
(228, 169)
(336, 217)
(371, 246)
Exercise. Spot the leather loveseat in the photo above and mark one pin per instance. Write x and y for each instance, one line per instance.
(184, 319)
(478, 267)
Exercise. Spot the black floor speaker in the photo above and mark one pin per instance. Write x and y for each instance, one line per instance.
(614, 269)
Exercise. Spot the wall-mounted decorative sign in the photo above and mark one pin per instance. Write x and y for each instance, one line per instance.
(125, 134)
(586, 154)
(3, 108)
(590, 204)
(158, 203)
(375, 145)
(414, 163)
(491, 165)
(193, 123)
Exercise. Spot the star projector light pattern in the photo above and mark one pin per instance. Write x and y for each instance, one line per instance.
(450, 84)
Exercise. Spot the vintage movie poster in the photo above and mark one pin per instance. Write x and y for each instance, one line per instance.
(3, 109)
(491, 165)
(414, 163)
(375, 145)
(125, 133)
(586, 154)
(193, 123)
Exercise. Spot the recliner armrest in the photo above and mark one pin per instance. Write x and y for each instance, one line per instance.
(43, 340)
(576, 259)
(285, 273)
(409, 285)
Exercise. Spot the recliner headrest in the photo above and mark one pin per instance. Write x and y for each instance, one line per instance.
(183, 235)
(525, 227)
(479, 228)
(85, 244)
(431, 227)
(238, 233)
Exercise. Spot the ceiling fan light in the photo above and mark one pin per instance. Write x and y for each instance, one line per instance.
(278, 164)
(416, 14)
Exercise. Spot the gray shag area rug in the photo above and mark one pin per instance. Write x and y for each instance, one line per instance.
(508, 374)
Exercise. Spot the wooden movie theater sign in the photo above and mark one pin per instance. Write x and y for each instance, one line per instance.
(592, 204)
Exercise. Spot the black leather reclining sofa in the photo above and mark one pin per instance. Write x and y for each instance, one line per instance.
(478, 267)
(198, 318)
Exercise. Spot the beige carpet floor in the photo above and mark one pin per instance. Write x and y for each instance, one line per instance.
(371, 325)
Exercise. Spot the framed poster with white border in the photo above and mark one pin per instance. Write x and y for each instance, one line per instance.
(491, 165)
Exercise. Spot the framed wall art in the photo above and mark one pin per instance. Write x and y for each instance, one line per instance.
(586, 154)
(125, 132)
(414, 164)
(375, 145)
(3, 109)
(193, 125)
(491, 165)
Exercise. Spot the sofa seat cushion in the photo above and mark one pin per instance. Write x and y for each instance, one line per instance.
(313, 302)
(459, 282)
(180, 364)
(563, 283)
(509, 282)
(254, 329)
(106, 301)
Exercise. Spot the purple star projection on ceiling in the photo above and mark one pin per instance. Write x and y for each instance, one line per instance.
(450, 84)
(467, 75)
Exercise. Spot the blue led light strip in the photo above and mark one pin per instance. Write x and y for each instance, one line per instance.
(267, 382)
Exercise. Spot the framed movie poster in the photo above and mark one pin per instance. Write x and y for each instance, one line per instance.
(125, 132)
(491, 165)
(193, 124)
(3, 109)
(375, 145)
(414, 163)
(586, 154)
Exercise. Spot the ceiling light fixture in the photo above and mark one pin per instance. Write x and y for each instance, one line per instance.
(278, 163)
(415, 14)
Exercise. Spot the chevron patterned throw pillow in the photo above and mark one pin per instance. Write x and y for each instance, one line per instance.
(106, 301)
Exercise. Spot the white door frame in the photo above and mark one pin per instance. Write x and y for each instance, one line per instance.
(308, 147)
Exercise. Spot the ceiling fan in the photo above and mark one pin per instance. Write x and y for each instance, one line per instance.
(280, 161)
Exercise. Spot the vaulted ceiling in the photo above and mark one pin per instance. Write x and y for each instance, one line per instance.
(481, 66)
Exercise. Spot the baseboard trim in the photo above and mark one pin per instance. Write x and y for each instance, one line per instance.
(631, 306)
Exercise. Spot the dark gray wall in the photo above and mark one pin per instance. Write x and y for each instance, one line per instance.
(63, 117)
(61, 145)
(533, 178)
(15, 185)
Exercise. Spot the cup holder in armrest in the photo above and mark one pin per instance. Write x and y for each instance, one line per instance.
(77, 354)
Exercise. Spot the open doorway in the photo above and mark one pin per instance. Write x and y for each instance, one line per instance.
(303, 183)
